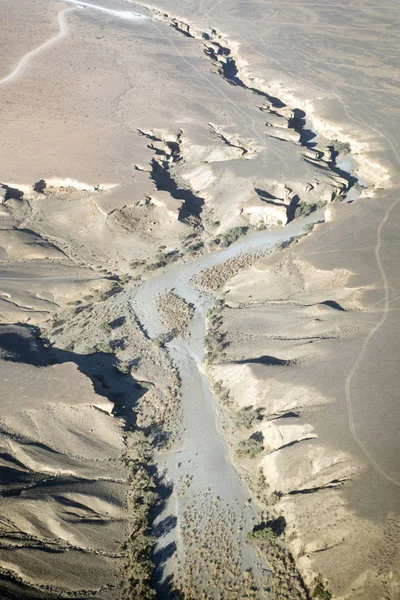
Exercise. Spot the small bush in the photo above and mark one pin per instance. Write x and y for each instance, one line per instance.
(340, 197)
(134, 264)
(106, 327)
(161, 340)
(274, 498)
(123, 367)
(338, 146)
(262, 534)
(144, 385)
(196, 247)
(247, 417)
(249, 448)
(105, 348)
(124, 278)
(305, 209)
(321, 592)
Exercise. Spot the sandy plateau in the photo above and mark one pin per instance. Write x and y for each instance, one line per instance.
(199, 296)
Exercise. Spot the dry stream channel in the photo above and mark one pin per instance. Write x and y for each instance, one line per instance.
(216, 490)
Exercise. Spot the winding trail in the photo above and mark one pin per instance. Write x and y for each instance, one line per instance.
(365, 345)
(32, 53)
(120, 14)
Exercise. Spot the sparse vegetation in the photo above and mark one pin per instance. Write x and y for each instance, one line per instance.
(106, 327)
(249, 448)
(162, 339)
(339, 197)
(338, 146)
(264, 535)
(134, 264)
(246, 417)
(163, 259)
(142, 498)
(105, 348)
(262, 492)
(321, 592)
(175, 312)
(304, 209)
(124, 279)
(123, 367)
(308, 227)
(230, 236)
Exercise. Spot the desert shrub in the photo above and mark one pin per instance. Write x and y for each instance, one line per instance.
(105, 348)
(308, 227)
(340, 197)
(274, 498)
(124, 278)
(262, 534)
(134, 264)
(162, 339)
(214, 242)
(123, 367)
(283, 245)
(338, 146)
(196, 247)
(234, 234)
(106, 327)
(321, 592)
(246, 417)
(172, 256)
(226, 239)
(305, 209)
(142, 498)
(249, 448)
(157, 265)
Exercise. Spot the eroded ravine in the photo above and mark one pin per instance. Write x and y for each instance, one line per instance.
(210, 505)
(206, 487)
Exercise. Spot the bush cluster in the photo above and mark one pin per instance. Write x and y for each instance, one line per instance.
(142, 498)
(249, 448)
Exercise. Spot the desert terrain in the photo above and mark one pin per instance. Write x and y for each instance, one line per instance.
(199, 295)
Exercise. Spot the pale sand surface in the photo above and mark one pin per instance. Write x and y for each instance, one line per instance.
(144, 154)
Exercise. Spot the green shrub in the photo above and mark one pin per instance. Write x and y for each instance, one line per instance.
(134, 264)
(105, 348)
(321, 592)
(338, 146)
(138, 548)
(123, 367)
(305, 209)
(263, 535)
(246, 417)
(161, 339)
(249, 448)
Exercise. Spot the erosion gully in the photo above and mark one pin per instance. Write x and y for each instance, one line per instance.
(202, 453)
